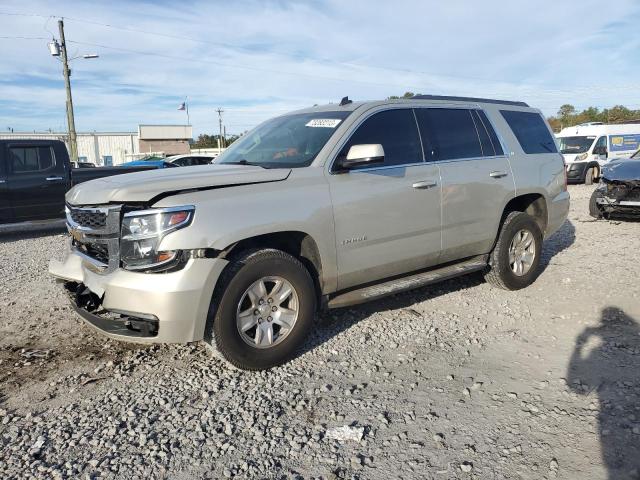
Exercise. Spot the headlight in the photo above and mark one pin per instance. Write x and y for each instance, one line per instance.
(582, 156)
(143, 230)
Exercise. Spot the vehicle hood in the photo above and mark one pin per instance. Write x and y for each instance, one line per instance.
(144, 186)
(622, 171)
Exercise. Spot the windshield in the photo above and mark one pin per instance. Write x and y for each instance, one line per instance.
(289, 141)
(575, 144)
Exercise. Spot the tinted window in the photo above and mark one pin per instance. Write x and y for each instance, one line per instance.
(602, 142)
(396, 131)
(531, 131)
(30, 159)
(448, 133)
(485, 141)
(492, 133)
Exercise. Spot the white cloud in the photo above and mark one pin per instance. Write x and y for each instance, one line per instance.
(257, 59)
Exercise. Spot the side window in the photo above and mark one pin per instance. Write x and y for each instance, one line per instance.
(485, 141)
(396, 131)
(448, 133)
(497, 147)
(531, 131)
(30, 159)
(602, 142)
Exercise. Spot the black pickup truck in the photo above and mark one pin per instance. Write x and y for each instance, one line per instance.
(36, 174)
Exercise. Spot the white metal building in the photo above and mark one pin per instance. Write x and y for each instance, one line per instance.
(101, 148)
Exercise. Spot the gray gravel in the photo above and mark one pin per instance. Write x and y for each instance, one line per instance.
(454, 381)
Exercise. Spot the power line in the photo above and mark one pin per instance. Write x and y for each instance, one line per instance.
(4, 37)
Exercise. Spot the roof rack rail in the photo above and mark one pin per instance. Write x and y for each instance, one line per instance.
(470, 99)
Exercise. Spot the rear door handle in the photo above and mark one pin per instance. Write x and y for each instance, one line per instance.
(425, 184)
(53, 179)
(498, 174)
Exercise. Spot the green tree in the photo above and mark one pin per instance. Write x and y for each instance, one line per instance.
(406, 95)
(205, 140)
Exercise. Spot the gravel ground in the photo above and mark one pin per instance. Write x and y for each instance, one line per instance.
(458, 380)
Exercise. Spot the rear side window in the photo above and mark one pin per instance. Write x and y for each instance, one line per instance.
(30, 159)
(485, 141)
(448, 133)
(497, 147)
(396, 131)
(531, 131)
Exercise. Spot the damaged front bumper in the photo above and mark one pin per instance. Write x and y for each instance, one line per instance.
(619, 198)
(142, 307)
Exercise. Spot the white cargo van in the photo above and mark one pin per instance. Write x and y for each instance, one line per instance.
(588, 146)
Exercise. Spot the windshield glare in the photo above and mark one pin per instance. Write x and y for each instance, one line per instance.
(575, 144)
(289, 141)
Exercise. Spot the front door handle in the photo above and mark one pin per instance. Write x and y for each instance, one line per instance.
(53, 179)
(425, 184)
(498, 174)
(2, 180)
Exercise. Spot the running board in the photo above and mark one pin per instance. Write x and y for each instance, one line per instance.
(410, 282)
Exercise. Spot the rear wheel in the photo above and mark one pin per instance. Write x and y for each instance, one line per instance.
(263, 309)
(515, 259)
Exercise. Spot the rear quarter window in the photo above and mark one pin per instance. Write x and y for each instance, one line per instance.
(531, 131)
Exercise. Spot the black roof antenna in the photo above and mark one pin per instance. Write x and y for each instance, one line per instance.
(345, 101)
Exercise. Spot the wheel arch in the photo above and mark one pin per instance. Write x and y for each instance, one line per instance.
(534, 204)
(294, 242)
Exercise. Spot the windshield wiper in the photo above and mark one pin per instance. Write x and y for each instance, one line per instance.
(244, 162)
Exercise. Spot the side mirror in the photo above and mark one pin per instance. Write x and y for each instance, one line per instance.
(363, 155)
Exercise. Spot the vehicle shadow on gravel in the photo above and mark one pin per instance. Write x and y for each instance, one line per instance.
(605, 364)
(8, 235)
(334, 322)
(556, 243)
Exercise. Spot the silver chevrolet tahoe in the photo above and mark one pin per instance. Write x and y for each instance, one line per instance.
(324, 207)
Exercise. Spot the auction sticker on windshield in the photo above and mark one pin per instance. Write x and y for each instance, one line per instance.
(323, 122)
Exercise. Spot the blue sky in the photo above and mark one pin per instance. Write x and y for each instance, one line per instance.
(257, 59)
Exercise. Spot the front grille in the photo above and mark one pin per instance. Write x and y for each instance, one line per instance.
(88, 218)
(97, 251)
(95, 232)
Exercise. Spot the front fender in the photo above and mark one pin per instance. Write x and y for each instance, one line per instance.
(228, 215)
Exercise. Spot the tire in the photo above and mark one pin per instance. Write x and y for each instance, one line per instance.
(594, 209)
(252, 350)
(588, 176)
(499, 272)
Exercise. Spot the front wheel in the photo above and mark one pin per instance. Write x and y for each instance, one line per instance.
(515, 259)
(262, 309)
(588, 176)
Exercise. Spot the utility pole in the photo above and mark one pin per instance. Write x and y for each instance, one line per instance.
(71, 124)
(220, 111)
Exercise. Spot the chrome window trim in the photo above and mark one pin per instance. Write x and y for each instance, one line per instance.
(475, 126)
(389, 167)
(415, 119)
(505, 151)
(464, 159)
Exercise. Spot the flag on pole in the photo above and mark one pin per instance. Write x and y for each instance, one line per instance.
(183, 106)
